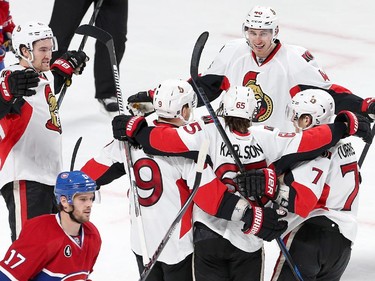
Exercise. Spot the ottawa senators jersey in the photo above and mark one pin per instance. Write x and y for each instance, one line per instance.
(257, 149)
(286, 71)
(45, 252)
(328, 186)
(163, 185)
(30, 142)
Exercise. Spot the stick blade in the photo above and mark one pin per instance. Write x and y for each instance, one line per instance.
(197, 52)
(95, 32)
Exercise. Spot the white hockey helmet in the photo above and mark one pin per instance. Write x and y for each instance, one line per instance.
(30, 32)
(171, 95)
(315, 102)
(262, 18)
(239, 101)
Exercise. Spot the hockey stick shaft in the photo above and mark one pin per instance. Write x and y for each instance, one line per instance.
(68, 82)
(195, 58)
(74, 154)
(198, 48)
(199, 168)
(106, 38)
(366, 148)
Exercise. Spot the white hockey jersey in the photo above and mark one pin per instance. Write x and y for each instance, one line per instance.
(328, 186)
(163, 185)
(258, 149)
(30, 143)
(274, 82)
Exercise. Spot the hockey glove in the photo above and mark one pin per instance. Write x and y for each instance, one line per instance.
(70, 62)
(368, 107)
(125, 127)
(140, 104)
(258, 183)
(264, 222)
(19, 83)
(357, 125)
(144, 96)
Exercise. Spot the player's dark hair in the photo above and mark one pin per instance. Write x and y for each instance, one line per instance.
(237, 124)
(234, 123)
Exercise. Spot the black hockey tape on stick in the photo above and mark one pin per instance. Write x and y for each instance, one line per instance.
(198, 176)
(68, 82)
(105, 38)
(195, 58)
(194, 65)
(74, 154)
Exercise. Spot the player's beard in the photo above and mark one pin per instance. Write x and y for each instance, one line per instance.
(79, 217)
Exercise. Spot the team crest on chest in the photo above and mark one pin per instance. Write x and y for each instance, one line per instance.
(68, 251)
(264, 107)
(53, 123)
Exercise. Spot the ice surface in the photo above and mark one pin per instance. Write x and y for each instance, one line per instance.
(161, 36)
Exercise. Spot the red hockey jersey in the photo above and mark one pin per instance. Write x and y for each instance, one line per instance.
(45, 252)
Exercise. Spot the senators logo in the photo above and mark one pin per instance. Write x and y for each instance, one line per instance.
(264, 107)
(53, 123)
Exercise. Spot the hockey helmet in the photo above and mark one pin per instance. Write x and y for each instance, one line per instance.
(315, 102)
(262, 18)
(30, 32)
(239, 101)
(69, 184)
(171, 95)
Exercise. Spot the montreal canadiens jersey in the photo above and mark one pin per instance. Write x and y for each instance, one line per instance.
(328, 186)
(258, 149)
(30, 143)
(163, 184)
(45, 252)
(274, 81)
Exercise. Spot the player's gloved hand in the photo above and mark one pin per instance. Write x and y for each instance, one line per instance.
(144, 96)
(8, 27)
(368, 107)
(258, 183)
(357, 125)
(140, 104)
(69, 63)
(264, 222)
(125, 127)
(19, 83)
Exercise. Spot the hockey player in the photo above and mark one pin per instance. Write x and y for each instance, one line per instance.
(163, 187)
(30, 128)
(321, 196)
(257, 147)
(61, 246)
(274, 71)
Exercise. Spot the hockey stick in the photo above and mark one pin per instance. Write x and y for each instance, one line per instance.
(366, 148)
(199, 168)
(106, 38)
(74, 154)
(68, 82)
(195, 58)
